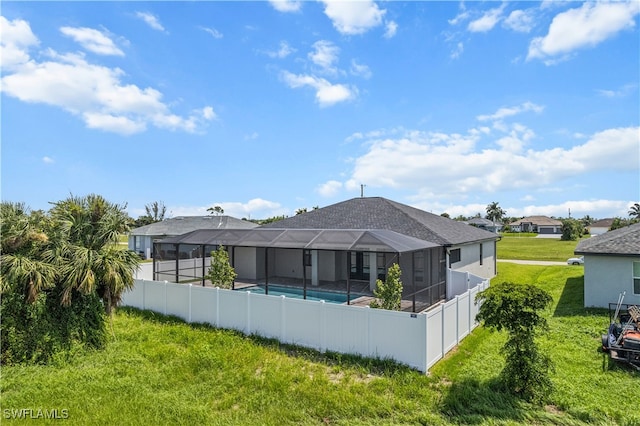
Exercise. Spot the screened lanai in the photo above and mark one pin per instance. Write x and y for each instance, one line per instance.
(347, 261)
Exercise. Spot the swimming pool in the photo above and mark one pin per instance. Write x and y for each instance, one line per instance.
(297, 293)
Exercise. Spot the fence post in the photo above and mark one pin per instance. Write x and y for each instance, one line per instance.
(165, 297)
(248, 310)
(217, 306)
(368, 310)
(283, 319)
(323, 326)
(190, 287)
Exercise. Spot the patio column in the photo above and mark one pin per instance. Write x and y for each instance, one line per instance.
(314, 268)
(373, 270)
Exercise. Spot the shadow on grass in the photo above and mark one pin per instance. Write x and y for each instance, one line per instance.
(571, 302)
(472, 402)
(377, 366)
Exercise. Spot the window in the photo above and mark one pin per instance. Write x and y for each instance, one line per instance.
(636, 277)
(454, 256)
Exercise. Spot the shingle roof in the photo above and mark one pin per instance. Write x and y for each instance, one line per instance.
(480, 221)
(182, 224)
(538, 220)
(381, 213)
(622, 241)
(602, 223)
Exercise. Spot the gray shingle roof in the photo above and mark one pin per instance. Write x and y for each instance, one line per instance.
(622, 241)
(538, 220)
(381, 213)
(182, 224)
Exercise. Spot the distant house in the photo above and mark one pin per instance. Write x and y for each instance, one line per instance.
(611, 266)
(344, 246)
(600, 226)
(537, 224)
(141, 239)
(487, 224)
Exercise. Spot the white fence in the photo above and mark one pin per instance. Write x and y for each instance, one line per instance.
(417, 340)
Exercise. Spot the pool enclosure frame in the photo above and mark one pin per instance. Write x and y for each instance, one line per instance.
(337, 257)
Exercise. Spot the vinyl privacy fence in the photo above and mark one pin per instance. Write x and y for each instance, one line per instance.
(417, 340)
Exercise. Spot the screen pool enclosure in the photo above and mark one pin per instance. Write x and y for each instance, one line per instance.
(346, 261)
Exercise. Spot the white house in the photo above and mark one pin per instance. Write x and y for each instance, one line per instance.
(537, 224)
(344, 246)
(611, 266)
(141, 239)
(599, 227)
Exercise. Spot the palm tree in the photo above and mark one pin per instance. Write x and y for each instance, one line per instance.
(156, 211)
(634, 211)
(495, 212)
(88, 254)
(23, 269)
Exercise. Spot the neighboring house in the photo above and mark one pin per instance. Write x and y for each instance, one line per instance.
(482, 223)
(599, 227)
(141, 239)
(344, 246)
(537, 224)
(611, 266)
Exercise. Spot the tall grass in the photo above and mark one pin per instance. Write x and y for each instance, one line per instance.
(160, 370)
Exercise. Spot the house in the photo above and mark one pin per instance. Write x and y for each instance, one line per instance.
(346, 247)
(600, 226)
(483, 223)
(611, 266)
(141, 239)
(537, 224)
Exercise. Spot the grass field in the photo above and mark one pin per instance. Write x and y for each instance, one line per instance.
(160, 370)
(527, 248)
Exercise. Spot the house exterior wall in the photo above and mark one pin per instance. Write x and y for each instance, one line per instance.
(288, 263)
(605, 277)
(141, 243)
(544, 229)
(595, 230)
(470, 259)
(246, 262)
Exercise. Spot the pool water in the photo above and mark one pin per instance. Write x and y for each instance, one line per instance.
(297, 293)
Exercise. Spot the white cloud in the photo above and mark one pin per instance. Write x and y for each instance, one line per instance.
(625, 90)
(92, 40)
(463, 15)
(390, 29)
(284, 51)
(325, 55)
(453, 164)
(520, 20)
(286, 5)
(327, 94)
(151, 20)
(487, 21)
(353, 17)
(48, 160)
(15, 38)
(511, 111)
(251, 136)
(330, 188)
(586, 26)
(256, 208)
(360, 69)
(455, 54)
(92, 92)
(213, 32)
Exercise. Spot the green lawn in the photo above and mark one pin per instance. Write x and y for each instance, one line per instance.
(160, 370)
(527, 248)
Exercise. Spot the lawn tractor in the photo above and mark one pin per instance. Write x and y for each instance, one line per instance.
(622, 341)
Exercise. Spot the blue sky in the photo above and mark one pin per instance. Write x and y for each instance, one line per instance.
(266, 107)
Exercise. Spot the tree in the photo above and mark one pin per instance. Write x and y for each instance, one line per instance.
(516, 309)
(619, 222)
(389, 293)
(156, 210)
(221, 273)
(572, 230)
(301, 210)
(87, 252)
(495, 212)
(216, 210)
(23, 268)
(445, 214)
(634, 211)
